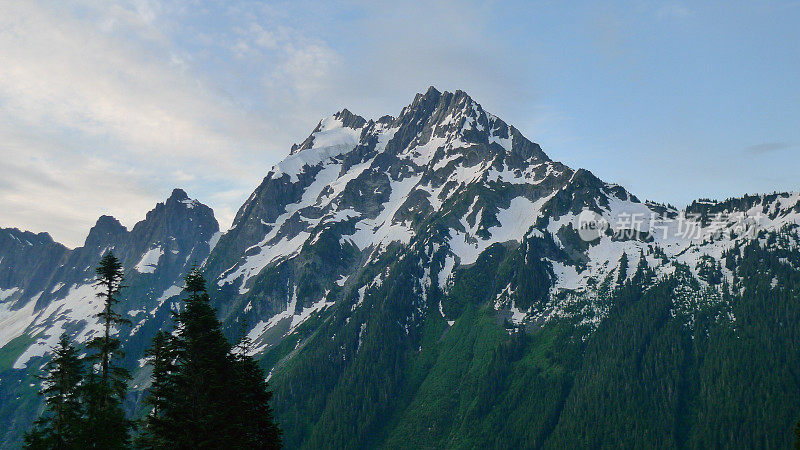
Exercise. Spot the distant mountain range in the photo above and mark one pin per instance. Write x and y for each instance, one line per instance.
(434, 279)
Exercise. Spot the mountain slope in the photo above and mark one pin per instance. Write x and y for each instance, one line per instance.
(381, 267)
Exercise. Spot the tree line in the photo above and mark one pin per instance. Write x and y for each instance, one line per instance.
(204, 392)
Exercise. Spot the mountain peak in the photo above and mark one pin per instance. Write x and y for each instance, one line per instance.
(454, 119)
(349, 119)
(432, 92)
(178, 194)
(426, 101)
(27, 236)
(438, 105)
(106, 222)
(105, 231)
(434, 96)
(179, 197)
(179, 204)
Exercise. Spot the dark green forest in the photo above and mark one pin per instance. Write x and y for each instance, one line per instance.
(718, 374)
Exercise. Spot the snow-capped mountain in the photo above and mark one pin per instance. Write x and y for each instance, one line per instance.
(458, 179)
(48, 289)
(367, 264)
(373, 239)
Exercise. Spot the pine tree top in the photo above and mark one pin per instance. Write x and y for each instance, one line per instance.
(110, 268)
(195, 282)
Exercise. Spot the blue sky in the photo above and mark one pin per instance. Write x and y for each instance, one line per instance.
(104, 108)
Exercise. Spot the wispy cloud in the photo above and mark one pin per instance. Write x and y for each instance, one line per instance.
(113, 104)
(673, 10)
(767, 147)
(102, 106)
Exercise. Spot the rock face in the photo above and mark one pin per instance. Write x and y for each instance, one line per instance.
(354, 188)
(379, 247)
(25, 267)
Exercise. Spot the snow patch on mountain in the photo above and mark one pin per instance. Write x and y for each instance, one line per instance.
(447, 270)
(190, 203)
(333, 139)
(13, 322)
(78, 309)
(170, 292)
(149, 261)
(515, 221)
(273, 247)
(7, 293)
(383, 229)
(214, 240)
(295, 319)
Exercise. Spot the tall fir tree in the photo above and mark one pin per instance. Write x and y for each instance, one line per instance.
(201, 382)
(61, 424)
(106, 385)
(161, 357)
(797, 436)
(214, 397)
(622, 272)
(253, 425)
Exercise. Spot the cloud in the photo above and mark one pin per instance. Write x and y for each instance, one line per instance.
(114, 104)
(64, 192)
(308, 68)
(105, 107)
(62, 71)
(673, 11)
(767, 147)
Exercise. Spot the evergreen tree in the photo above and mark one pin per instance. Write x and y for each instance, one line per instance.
(161, 356)
(253, 423)
(106, 386)
(643, 272)
(797, 436)
(622, 272)
(204, 394)
(60, 426)
(198, 408)
(109, 280)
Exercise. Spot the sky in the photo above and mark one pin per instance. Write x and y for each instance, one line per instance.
(105, 107)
